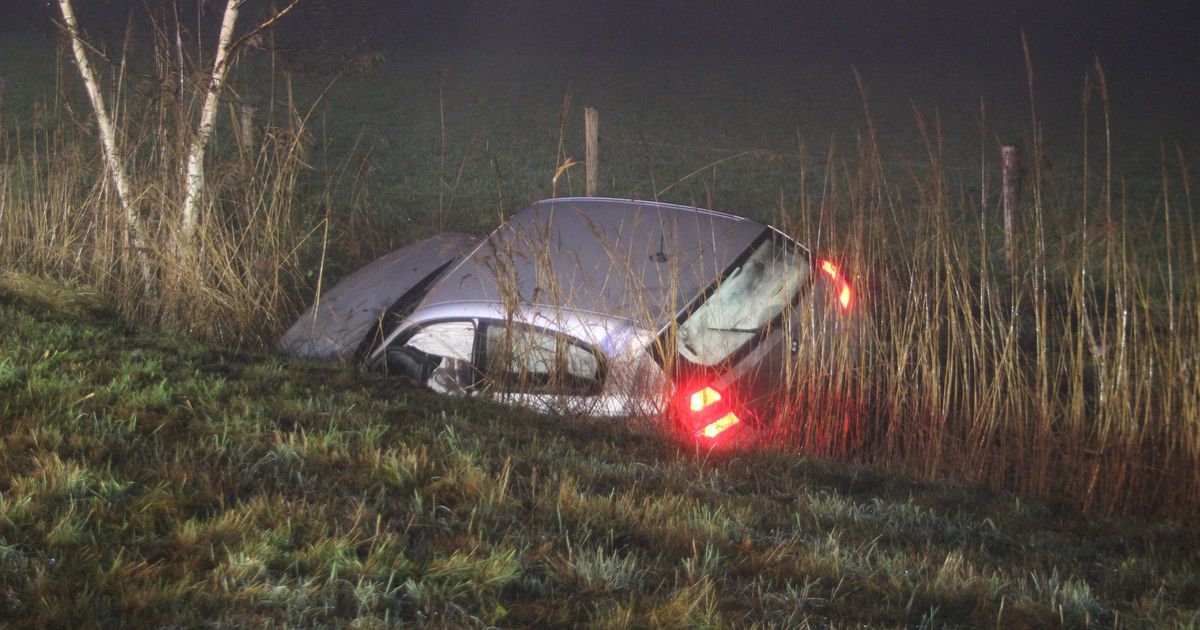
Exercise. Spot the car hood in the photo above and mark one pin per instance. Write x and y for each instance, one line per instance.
(340, 319)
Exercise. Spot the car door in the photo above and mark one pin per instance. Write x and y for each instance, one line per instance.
(441, 355)
(538, 368)
(507, 361)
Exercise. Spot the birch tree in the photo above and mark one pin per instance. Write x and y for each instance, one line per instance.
(194, 168)
(108, 134)
(194, 182)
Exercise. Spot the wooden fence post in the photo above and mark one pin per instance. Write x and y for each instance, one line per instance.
(1010, 160)
(591, 123)
(246, 136)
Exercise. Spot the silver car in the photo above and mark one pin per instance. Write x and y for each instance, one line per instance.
(604, 307)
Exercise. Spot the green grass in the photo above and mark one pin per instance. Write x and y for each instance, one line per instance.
(148, 479)
(1044, 378)
(754, 123)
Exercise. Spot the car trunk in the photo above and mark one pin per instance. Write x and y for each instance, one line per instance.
(766, 374)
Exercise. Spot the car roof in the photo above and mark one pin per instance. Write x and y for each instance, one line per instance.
(642, 261)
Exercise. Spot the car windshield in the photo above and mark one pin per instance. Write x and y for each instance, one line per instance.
(749, 297)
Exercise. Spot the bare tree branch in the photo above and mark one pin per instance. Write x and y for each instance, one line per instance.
(264, 25)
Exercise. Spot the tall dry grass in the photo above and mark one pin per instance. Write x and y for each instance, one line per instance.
(1068, 372)
(60, 217)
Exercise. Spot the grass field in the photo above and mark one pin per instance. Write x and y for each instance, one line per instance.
(152, 480)
(499, 116)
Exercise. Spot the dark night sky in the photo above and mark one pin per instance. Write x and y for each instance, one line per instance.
(1145, 34)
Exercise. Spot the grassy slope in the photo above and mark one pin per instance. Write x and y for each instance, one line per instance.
(153, 480)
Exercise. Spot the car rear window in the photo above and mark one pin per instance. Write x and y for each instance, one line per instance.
(748, 298)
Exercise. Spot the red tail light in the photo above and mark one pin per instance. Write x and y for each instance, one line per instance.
(831, 270)
(704, 398)
(705, 404)
(719, 426)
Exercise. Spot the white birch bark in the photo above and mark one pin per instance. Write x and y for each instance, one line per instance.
(194, 182)
(108, 136)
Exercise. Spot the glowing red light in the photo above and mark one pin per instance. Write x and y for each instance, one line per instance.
(703, 398)
(832, 271)
(719, 426)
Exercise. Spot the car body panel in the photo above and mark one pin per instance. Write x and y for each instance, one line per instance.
(615, 278)
(339, 320)
(638, 260)
(630, 368)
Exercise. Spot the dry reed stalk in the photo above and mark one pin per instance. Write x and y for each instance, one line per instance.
(1075, 377)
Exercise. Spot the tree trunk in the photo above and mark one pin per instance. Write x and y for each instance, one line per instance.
(208, 120)
(108, 136)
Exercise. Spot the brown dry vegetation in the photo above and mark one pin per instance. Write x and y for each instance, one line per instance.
(150, 480)
(1069, 372)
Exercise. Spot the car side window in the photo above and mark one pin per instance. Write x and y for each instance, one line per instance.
(438, 355)
(524, 359)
